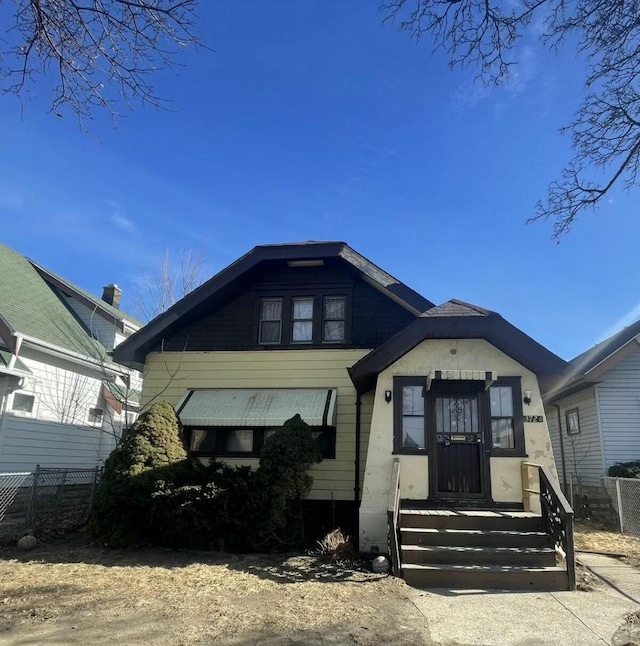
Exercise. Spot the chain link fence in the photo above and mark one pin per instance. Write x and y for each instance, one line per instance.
(615, 503)
(46, 501)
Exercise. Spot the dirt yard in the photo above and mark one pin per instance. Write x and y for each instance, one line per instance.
(592, 537)
(69, 592)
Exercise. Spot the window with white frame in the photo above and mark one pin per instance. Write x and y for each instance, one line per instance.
(23, 403)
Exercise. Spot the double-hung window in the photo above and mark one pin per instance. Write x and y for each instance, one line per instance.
(409, 415)
(316, 319)
(334, 316)
(505, 411)
(270, 320)
(302, 319)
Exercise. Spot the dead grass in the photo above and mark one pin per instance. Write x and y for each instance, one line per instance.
(593, 537)
(71, 592)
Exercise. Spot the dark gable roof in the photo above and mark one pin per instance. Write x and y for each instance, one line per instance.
(136, 347)
(586, 369)
(458, 320)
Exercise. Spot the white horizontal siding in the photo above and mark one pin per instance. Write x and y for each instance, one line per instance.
(100, 328)
(619, 401)
(626, 374)
(620, 418)
(26, 442)
(582, 453)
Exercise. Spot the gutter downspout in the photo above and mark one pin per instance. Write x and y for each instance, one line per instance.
(356, 484)
(562, 459)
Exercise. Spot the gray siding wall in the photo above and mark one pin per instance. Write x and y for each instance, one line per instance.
(26, 442)
(100, 328)
(583, 453)
(619, 401)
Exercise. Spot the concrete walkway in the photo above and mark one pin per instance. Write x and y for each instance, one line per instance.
(624, 578)
(490, 618)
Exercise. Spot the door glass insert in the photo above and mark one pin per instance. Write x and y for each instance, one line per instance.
(413, 418)
(457, 416)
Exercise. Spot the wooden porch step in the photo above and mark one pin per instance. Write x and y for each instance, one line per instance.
(470, 519)
(472, 537)
(464, 555)
(485, 577)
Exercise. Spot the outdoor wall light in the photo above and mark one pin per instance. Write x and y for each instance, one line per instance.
(527, 397)
(387, 395)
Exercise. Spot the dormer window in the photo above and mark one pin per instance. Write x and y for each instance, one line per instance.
(319, 319)
(334, 319)
(270, 320)
(302, 318)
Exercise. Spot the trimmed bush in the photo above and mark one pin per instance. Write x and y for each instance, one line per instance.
(152, 494)
(625, 469)
(134, 471)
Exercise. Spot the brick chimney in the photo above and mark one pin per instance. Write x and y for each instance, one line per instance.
(111, 294)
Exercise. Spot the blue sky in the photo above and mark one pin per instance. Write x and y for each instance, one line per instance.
(312, 120)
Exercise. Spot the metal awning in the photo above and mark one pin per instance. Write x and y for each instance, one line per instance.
(258, 407)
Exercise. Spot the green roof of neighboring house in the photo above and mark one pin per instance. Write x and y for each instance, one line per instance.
(116, 312)
(30, 307)
(5, 357)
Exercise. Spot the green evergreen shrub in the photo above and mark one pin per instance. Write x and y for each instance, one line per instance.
(151, 493)
(137, 468)
(284, 467)
(625, 469)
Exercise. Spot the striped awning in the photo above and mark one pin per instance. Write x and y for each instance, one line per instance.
(258, 407)
(487, 376)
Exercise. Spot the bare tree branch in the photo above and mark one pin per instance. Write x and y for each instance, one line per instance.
(96, 53)
(605, 130)
(167, 283)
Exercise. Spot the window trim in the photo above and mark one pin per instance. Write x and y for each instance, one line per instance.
(313, 300)
(570, 412)
(324, 319)
(518, 420)
(21, 413)
(280, 299)
(398, 384)
(258, 441)
(287, 296)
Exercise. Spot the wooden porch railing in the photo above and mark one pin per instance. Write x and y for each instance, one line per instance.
(393, 519)
(557, 514)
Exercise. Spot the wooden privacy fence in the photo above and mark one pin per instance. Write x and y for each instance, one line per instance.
(46, 501)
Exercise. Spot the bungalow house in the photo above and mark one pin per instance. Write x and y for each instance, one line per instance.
(63, 401)
(424, 414)
(594, 414)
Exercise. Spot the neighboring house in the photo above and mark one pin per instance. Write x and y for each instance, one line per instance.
(380, 374)
(63, 401)
(594, 415)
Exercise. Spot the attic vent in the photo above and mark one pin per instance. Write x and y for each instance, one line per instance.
(305, 263)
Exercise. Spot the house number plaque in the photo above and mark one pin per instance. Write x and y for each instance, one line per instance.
(534, 418)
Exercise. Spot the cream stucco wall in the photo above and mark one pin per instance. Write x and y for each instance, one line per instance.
(169, 375)
(441, 354)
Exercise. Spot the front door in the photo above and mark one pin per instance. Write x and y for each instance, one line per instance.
(459, 466)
